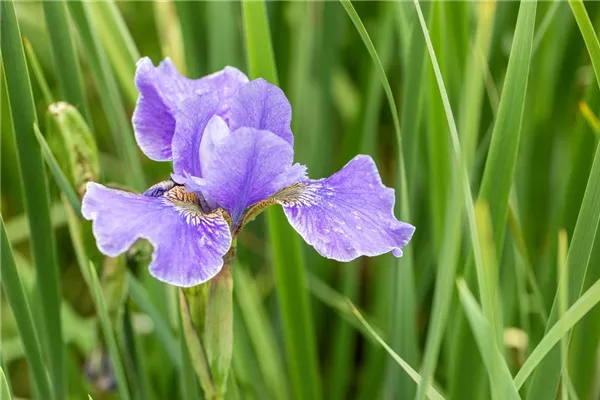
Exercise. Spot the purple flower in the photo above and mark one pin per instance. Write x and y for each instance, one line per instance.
(232, 150)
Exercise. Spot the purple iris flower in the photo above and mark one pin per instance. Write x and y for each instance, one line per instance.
(232, 151)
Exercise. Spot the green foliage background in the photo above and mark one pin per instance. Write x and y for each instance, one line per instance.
(482, 116)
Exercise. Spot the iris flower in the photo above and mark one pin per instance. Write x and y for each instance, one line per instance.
(231, 146)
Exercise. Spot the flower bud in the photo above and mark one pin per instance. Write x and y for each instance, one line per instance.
(73, 144)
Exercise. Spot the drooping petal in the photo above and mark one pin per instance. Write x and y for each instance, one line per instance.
(347, 215)
(263, 106)
(248, 166)
(162, 89)
(188, 244)
(192, 118)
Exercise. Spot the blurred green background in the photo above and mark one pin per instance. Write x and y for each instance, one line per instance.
(528, 133)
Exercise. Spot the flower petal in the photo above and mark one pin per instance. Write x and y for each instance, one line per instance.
(247, 166)
(192, 118)
(188, 245)
(162, 89)
(263, 106)
(347, 215)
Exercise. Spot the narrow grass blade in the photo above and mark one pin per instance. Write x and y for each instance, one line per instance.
(260, 333)
(169, 32)
(65, 56)
(163, 331)
(189, 12)
(288, 262)
(259, 48)
(17, 299)
(118, 43)
(36, 68)
(431, 392)
(224, 47)
(448, 262)
(110, 98)
(588, 33)
(497, 369)
(109, 333)
(4, 389)
(88, 271)
(578, 310)
(499, 168)
(545, 379)
(36, 193)
(471, 99)
(59, 176)
(563, 299)
(403, 337)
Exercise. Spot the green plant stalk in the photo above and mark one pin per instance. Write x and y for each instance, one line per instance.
(118, 44)
(35, 187)
(17, 299)
(110, 98)
(36, 68)
(65, 56)
(196, 350)
(218, 328)
(288, 262)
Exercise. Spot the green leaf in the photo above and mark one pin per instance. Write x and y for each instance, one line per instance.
(36, 68)
(4, 389)
(578, 310)
(17, 299)
(35, 187)
(118, 44)
(588, 33)
(260, 332)
(59, 176)
(65, 56)
(110, 98)
(88, 271)
(189, 12)
(288, 262)
(502, 384)
(163, 331)
(431, 392)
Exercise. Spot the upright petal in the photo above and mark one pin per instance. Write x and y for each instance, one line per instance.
(162, 89)
(348, 214)
(188, 245)
(263, 106)
(192, 117)
(248, 166)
